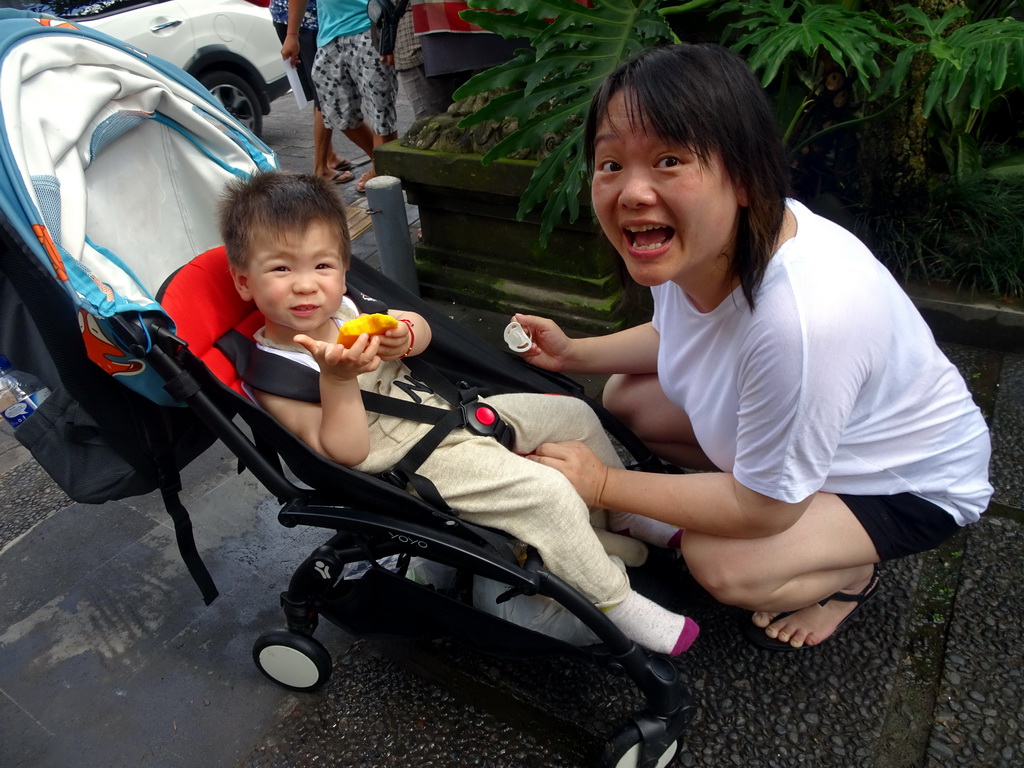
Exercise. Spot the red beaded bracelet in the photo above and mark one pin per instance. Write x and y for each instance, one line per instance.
(412, 338)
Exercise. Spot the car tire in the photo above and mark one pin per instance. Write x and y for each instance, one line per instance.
(236, 96)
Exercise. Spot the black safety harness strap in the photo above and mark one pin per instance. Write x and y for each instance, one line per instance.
(278, 375)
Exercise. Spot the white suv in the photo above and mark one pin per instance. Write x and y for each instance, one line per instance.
(229, 46)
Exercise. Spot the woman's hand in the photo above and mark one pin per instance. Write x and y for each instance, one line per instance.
(587, 473)
(342, 364)
(551, 347)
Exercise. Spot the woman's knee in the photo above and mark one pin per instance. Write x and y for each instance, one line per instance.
(623, 395)
(726, 578)
(642, 405)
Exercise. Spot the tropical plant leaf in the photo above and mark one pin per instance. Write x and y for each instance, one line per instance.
(984, 57)
(548, 87)
(1010, 166)
(981, 47)
(509, 26)
(779, 30)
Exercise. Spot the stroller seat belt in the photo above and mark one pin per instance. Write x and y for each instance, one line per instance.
(278, 375)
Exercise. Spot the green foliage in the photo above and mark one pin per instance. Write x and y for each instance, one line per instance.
(964, 69)
(972, 236)
(777, 32)
(966, 65)
(548, 87)
(972, 66)
(791, 44)
(978, 235)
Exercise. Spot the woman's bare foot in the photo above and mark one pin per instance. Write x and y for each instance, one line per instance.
(816, 623)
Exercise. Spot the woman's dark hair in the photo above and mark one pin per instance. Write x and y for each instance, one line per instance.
(705, 98)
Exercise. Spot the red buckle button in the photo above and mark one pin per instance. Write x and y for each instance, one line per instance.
(485, 416)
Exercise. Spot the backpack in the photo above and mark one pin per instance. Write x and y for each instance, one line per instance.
(385, 16)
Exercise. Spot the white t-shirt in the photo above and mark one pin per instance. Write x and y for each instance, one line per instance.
(834, 383)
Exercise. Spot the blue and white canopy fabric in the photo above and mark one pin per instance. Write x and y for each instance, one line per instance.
(112, 163)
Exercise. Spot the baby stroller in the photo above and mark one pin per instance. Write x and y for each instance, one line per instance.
(106, 315)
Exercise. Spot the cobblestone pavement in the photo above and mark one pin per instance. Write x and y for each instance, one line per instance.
(108, 657)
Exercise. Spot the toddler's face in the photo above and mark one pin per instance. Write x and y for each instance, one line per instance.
(297, 282)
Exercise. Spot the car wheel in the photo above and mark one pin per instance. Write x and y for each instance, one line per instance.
(237, 97)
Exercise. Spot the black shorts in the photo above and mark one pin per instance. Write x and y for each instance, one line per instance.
(903, 524)
(307, 52)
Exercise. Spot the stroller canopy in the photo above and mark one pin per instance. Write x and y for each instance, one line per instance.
(69, 94)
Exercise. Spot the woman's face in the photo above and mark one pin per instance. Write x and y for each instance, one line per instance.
(669, 216)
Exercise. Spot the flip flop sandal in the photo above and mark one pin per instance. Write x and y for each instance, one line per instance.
(341, 177)
(342, 165)
(756, 635)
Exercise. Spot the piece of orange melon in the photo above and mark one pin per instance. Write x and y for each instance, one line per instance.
(371, 324)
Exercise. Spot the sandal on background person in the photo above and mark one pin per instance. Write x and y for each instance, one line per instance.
(341, 177)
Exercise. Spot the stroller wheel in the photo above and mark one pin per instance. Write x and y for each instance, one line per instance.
(296, 661)
(623, 750)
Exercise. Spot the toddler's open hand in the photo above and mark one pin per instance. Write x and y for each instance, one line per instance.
(344, 363)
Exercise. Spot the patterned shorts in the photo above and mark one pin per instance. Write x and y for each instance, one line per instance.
(354, 85)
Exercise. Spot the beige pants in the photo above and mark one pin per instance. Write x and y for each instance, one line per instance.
(491, 485)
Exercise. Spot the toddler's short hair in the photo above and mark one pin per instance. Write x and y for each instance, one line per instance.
(275, 204)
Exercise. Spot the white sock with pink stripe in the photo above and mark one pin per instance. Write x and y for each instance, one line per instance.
(655, 628)
(645, 529)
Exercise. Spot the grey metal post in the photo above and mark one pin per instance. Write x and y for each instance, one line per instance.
(391, 229)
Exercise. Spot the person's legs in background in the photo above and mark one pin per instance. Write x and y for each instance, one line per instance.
(326, 161)
(426, 95)
(350, 79)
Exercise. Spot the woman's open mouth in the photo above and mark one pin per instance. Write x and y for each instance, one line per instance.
(648, 237)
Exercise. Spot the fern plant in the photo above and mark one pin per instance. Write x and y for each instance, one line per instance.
(548, 87)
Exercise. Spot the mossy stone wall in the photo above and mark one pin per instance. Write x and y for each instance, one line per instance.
(474, 251)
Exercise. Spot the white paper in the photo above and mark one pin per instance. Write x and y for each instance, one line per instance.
(296, 84)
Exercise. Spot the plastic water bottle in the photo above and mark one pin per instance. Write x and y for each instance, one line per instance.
(20, 393)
